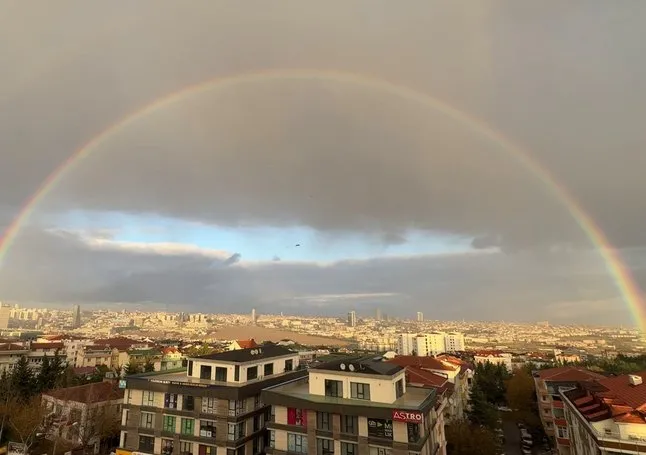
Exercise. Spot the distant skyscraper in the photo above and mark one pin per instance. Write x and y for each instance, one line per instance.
(77, 316)
(420, 316)
(253, 316)
(378, 314)
(352, 318)
(5, 312)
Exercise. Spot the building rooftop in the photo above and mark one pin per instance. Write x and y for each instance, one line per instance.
(247, 344)
(429, 363)
(89, 393)
(566, 374)
(365, 365)
(248, 355)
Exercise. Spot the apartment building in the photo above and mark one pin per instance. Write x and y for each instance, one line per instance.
(549, 384)
(493, 357)
(354, 406)
(430, 344)
(211, 408)
(607, 416)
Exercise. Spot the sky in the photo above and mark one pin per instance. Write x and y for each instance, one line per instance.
(318, 195)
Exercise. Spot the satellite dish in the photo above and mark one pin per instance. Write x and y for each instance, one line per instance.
(351, 367)
(342, 366)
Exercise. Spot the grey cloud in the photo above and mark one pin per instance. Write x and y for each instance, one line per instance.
(234, 258)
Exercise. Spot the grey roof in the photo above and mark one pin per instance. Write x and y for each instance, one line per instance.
(249, 355)
(365, 365)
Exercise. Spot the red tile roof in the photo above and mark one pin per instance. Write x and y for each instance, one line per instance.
(568, 374)
(429, 363)
(13, 347)
(621, 392)
(47, 345)
(120, 343)
(89, 393)
(427, 378)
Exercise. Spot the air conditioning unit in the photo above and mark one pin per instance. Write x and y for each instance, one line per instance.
(633, 379)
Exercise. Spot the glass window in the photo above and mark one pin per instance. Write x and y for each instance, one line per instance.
(207, 450)
(146, 444)
(296, 417)
(413, 432)
(360, 391)
(562, 432)
(349, 424)
(205, 372)
(272, 439)
(207, 428)
(147, 419)
(399, 388)
(289, 365)
(189, 403)
(169, 424)
(221, 374)
(190, 368)
(323, 421)
(348, 448)
(333, 388)
(188, 426)
(186, 448)
(269, 369)
(324, 446)
(167, 446)
(170, 400)
(236, 431)
(148, 398)
(236, 407)
(296, 443)
(209, 405)
(252, 373)
(257, 423)
(236, 373)
(380, 451)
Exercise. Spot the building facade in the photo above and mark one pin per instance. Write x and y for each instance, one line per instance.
(354, 406)
(212, 408)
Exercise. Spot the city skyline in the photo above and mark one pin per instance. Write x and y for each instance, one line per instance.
(301, 170)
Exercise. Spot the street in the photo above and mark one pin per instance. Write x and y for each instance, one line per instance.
(512, 438)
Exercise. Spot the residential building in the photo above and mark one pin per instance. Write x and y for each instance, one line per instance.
(606, 416)
(549, 384)
(243, 344)
(426, 344)
(354, 406)
(5, 314)
(420, 316)
(88, 415)
(494, 357)
(77, 316)
(211, 408)
(10, 353)
(454, 342)
(171, 359)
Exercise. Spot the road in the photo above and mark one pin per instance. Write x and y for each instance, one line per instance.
(512, 438)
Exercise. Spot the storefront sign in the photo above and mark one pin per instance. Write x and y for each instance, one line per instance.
(380, 428)
(407, 416)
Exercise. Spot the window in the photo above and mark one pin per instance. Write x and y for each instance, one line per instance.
(146, 444)
(189, 403)
(147, 419)
(269, 369)
(296, 443)
(207, 428)
(186, 448)
(289, 365)
(546, 411)
(209, 405)
(221, 374)
(236, 431)
(296, 417)
(558, 413)
(252, 373)
(256, 402)
(148, 398)
(190, 368)
(324, 446)
(349, 424)
(347, 448)
(254, 446)
(323, 421)
(167, 446)
(360, 391)
(257, 423)
(170, 400)
(333, 388)
(236, 373)
(207, 450)
(272, 439)
(399, 388)
(205, 372)
(380, 451)
(544, 398)
(169, 424)
(561, 432)
(413, 432)
(188, 426)
(236, 407)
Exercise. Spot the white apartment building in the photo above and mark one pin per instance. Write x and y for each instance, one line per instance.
(494, 357)
(454, 342)
(430, 344)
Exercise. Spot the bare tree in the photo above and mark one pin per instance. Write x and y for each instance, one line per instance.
(26, 420)
(102, 420)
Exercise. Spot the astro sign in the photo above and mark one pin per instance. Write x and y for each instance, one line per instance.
(407, 416)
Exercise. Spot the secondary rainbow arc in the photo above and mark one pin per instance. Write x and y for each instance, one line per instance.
(613, 262)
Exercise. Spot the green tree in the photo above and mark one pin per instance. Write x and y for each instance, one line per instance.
(149, 366)
(131, 368)
(465, 439)
(22, 380)
(481, 412)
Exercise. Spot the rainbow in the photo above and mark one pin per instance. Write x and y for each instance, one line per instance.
(613, 262)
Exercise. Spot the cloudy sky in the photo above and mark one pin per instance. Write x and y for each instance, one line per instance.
(318, 195)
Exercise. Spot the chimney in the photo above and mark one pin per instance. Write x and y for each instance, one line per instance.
(633, 379)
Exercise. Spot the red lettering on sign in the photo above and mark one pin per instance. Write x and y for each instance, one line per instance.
(407, 416)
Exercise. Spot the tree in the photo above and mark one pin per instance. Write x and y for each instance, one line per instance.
(465, 439)
(26, 419)
(149, 366)
(131, 368)
(520, 391)
(481, 412)
(22, 380)
(102, 420)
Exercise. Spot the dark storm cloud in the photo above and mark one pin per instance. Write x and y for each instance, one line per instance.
(567, 81)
